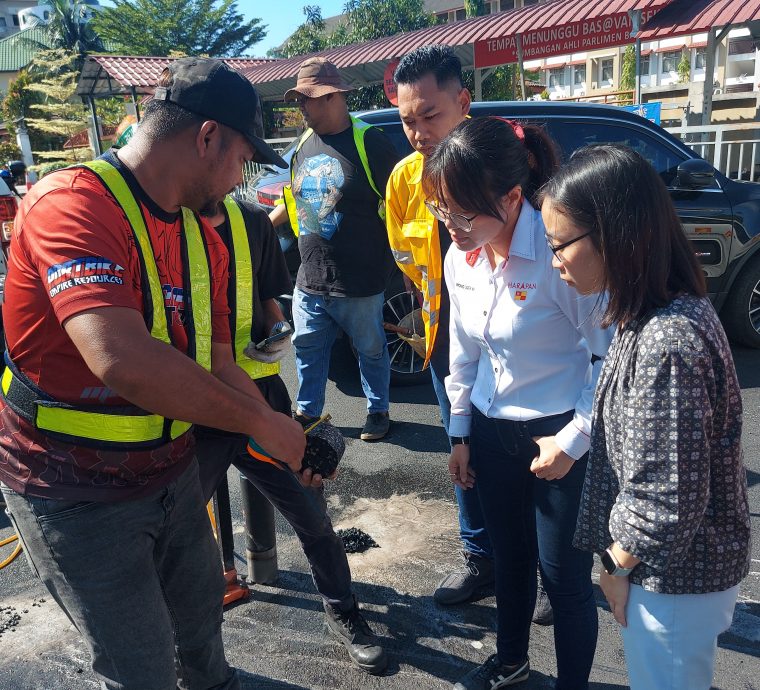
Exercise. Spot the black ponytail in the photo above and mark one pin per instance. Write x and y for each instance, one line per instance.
(484, 158)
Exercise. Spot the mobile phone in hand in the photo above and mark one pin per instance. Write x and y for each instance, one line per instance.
(276, 338)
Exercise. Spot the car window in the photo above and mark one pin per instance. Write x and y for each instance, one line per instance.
(4, 189)
(573, 135)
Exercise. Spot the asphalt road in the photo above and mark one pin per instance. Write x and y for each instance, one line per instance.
(397, 491)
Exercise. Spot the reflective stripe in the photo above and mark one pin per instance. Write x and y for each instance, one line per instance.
(118, 186)
(433, 287)
(99, 426)
(200, 288)
(106, 427)
(242, 257)
(403, 257)
(258, 370)
(433, 318)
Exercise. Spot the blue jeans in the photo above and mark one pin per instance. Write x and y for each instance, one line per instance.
(670, 639)
(529, 519)
(136, 578)
(472, 526)
(317, 319)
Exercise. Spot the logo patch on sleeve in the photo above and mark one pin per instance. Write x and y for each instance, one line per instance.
(87, 270)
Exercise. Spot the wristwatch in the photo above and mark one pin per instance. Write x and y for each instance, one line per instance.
(611, 566)
(459, 440)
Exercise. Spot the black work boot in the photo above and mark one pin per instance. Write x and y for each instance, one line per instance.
(461, 584)
(357, 637)
(376, 426)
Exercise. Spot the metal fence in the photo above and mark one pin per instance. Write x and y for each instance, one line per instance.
(252, 170)
(732, 149)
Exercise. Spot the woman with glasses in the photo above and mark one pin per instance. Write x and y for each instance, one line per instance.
(665, 498)
(526, 351)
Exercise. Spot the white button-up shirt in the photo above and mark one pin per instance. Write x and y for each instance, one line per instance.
(521, 339)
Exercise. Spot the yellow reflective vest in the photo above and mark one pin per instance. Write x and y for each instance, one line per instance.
(360, 131)
(100, 425)
(241, 258)
(413, 236)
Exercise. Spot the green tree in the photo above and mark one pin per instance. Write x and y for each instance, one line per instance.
(475, 8)
(309, 37)
(684, 67)
(68, 27)
(195, 27)
(54, 113)
(628, 73)
(369, 19)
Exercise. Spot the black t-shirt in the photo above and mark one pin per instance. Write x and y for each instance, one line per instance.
(439, 358)
(270, 272)
(343, 243)
(270, 279)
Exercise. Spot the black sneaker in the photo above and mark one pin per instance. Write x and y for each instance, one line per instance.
(357, 637)
(376, 426)
(543, 614)
(493, 675)
(461, 585)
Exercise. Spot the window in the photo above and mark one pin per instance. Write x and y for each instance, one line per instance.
(670, 61)
(700, 58)
(15, 20)
(442, 18)
(573, 135)
(645, 65)
(579, 76)
(461, 14)
(46, 15)
(3, 23)
(557, 77)
(606, 68)
(506, 5)
(529, 2)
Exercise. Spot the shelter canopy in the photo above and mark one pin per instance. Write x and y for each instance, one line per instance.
(478, 42)
(112, 75)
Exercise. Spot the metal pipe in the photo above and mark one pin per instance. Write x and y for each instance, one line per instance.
(260, 535)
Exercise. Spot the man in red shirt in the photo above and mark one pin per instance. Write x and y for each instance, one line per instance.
(118, 339)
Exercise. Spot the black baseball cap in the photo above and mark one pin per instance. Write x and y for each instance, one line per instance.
(212, 89)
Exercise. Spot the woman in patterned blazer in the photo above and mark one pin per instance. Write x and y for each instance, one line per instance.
(664, 503)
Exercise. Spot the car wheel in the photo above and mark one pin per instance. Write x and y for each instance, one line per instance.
(741, 313)
(403, 316)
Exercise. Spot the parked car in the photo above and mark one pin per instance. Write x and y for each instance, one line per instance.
(720, 216)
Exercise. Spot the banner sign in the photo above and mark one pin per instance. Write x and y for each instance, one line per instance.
(608, 31)
(650, 111)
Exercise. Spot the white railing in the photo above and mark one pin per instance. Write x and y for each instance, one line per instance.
(732, 149)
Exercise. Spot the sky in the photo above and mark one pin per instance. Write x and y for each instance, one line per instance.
(282, 18)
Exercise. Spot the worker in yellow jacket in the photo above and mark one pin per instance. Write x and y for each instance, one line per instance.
(432, 101)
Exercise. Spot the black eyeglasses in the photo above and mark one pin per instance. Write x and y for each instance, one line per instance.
(556, 249)
(458, 220)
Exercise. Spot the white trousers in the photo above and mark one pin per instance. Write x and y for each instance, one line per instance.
(671, 639)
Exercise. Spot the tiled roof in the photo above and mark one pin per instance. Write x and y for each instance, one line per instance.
(364, 63)
(116, 73)
(17, 50)
(684, 17)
